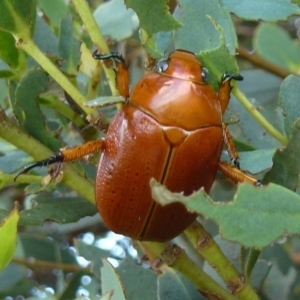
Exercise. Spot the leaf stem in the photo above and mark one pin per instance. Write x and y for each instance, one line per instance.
(97, 38)
(211, 252)
(259, 117)
(30, 48)
(173, 256)
(251, 261)
(14, 135)
(36, 263)
(262, 63)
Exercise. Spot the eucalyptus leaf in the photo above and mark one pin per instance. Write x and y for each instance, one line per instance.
(111, 281)
(154, 15)
(256, 217)
(176, 286)
(207, 15)
(286, 163)
(18, 17)
(8, 51)
(55, 10)
(8, 235)
(256, 161)
(69, 46)
(32, 84)
(60, 210)
(267, 10)
(129, 271)
(45, 249)
(276, 45)
(123, 23)
(93, 254)
(289, 101)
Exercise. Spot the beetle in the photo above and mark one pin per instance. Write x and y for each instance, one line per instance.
(170, 128)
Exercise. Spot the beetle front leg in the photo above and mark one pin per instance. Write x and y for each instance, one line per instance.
(233, 171)
(122, 74)
(66, 154)
(225, 89)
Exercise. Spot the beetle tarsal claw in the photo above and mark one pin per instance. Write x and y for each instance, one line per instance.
(236, 163)
(228, 76)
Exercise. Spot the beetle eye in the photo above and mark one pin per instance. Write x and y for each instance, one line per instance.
(204, 74)
(162, 65)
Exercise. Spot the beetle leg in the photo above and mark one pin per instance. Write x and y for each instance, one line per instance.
(122, 74)
(228, 141)
(67, 154)
(225, 89)
(236, 175)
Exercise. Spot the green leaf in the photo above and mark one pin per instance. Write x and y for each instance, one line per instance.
(129, 271)
(54, 10)
(11, 161)
(45, 39)
(286, 163)
(278, 285)
(92, 253)
(218, 61)
(32, 84)
(289, 101)
(200, 19)
(8, 235)
(262, 89)
(3, 214)
(256, 161)
(60, 210)
(256, 217)
(279, 254)
(154, 15)
(7, 74)
(259, 273)
(123, 23)
(8, 50)
(267, 10)
(18, 17)
(176, 286)
(69, 46)
(275, 45)
(111, 281)
(44, 248)
(14, 281)
(158, 44)
(70, 291)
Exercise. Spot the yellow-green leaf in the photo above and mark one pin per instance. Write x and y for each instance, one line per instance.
(8, 235)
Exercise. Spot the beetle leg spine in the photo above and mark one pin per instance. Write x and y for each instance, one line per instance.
(65, 155)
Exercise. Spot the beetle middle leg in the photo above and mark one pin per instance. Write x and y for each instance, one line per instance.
(235, 174)
(66, 154)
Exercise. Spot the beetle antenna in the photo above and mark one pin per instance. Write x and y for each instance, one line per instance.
(56, 158)
(114, 55)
